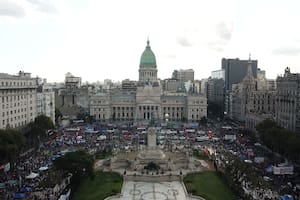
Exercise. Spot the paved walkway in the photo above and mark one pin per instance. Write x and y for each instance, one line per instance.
(133, 190)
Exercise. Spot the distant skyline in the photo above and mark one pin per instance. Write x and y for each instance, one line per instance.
(99, 40)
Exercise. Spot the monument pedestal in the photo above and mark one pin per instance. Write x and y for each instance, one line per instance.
(137, 161)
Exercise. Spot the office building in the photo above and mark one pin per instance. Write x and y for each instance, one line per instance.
(288, 101)
(18, 100)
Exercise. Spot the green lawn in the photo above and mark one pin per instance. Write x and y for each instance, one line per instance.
(208, 185)
(105, 184)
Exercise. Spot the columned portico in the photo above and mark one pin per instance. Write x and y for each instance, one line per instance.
(146, 100)
(148, 111)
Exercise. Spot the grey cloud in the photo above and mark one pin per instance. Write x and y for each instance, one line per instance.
(224, 31)
(43, 6)
(288, 51)
(183, 41)
(11, 9)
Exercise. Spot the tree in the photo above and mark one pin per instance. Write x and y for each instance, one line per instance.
(34, 134)
(44, 122)
(37, 130)
(266, 125)
(58, 114)
(79, 164)
(203, 121)
(279, 140)
(11, 142)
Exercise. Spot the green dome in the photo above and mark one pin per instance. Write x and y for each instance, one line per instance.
(148, 58)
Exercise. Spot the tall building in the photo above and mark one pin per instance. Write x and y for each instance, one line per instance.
(215, 93)
(18, 100)
(204, 86)
(72, 83)
(182, 80)
(183, 75)
(129, 85)
(261, 106)
(73, 98)
(149, 100)
(288, 101)
(46, 101)
(235, 70)
(172, 85)
(218, 74)
(240, 94)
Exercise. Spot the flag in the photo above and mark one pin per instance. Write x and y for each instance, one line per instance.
(7, 167)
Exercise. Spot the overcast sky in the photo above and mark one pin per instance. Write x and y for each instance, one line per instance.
(104, 39)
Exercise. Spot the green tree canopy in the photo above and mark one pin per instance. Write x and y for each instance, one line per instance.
(267, 124)
(44, 122)
(11, 142)
(58, 114)
(78, 163)
(279, 139)
(37, 130)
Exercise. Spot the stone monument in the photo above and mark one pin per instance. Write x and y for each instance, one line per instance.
(151, 138)
(152, 152)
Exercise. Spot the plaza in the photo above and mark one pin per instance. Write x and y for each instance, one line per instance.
(139, 190)
(161, 181)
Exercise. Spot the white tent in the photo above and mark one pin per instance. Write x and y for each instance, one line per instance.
(43, 168)
(32, 175)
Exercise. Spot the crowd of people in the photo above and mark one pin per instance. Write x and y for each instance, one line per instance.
(98, 137)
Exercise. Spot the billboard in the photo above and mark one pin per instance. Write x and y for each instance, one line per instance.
(283, 170)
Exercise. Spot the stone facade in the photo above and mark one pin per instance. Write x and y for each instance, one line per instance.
(288, 101)
(240, 95)
(46, 101)
(18, 96)
(149, 100)
(184, 75)
(73, 98)
(262, 104)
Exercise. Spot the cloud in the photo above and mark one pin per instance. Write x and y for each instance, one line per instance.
(288, 51)
(183, 41)
(10, 9)
(223, 35)
(224, 30)
(216, 46)
(43, 6)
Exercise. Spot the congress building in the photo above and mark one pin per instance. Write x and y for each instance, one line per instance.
(147, 100)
